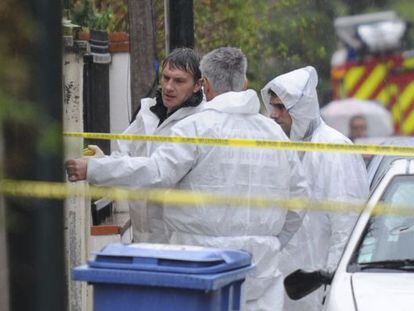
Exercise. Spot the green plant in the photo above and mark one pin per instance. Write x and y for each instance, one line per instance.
(100, 15)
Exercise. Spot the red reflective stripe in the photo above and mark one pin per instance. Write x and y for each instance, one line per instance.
(379, 88)
(403, 78)
(408, 111)
(357, 86)
(390, 105)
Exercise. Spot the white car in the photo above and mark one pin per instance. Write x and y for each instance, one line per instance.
(376, 270)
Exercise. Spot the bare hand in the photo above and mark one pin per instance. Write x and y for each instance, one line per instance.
(76, 169)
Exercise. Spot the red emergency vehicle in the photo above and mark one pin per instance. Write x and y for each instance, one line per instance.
(371, 64)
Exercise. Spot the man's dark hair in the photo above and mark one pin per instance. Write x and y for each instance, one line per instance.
(271, 93)
(184, 59)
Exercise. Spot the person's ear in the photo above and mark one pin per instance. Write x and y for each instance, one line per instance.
(208, 91)
(198, 85)
(206, 85)
(245, 84)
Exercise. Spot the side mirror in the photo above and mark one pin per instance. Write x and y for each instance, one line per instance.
(300, 283)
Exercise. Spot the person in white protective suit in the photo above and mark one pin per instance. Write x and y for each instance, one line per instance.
(180, 96)
(229, 113)
(291, 100)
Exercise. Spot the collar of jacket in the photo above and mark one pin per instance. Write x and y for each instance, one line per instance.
(243, 102)
(161, 111)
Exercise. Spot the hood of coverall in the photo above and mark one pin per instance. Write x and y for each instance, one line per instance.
(244, 102)
(297, 90)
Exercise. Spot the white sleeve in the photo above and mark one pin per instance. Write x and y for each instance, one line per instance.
(298, 189)
(292, 224)
(164, 168)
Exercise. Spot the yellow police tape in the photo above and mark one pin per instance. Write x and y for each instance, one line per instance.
(255, 143)
(55, 190)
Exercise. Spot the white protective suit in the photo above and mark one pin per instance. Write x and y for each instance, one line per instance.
(331, 176)
(146, 218)
(224, 170)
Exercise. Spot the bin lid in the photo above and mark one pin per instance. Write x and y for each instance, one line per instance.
(169, 258)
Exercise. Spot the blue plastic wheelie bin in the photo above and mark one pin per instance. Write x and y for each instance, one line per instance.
(165, 277)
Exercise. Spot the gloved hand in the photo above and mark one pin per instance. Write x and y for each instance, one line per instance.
(93, 151)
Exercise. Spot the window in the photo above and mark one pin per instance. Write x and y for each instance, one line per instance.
(390, 237)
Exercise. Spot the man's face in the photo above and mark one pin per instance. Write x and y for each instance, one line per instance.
(358, 128)
(177, 86)
(280, 114)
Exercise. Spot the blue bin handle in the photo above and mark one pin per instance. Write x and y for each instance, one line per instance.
(205, 261)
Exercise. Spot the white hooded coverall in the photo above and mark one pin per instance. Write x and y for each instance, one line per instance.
(223, 170)
(331, 176)
(146, 218)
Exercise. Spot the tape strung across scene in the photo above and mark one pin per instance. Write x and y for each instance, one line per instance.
(55, 190)
(254, 143)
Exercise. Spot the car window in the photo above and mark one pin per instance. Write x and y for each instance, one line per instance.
(390, 237)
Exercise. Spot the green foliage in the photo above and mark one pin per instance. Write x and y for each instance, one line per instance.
(281, 35)
(232, 23)
(160, 28)
(18, 33)
(100, 15)
(276, 36)
(405, 8)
